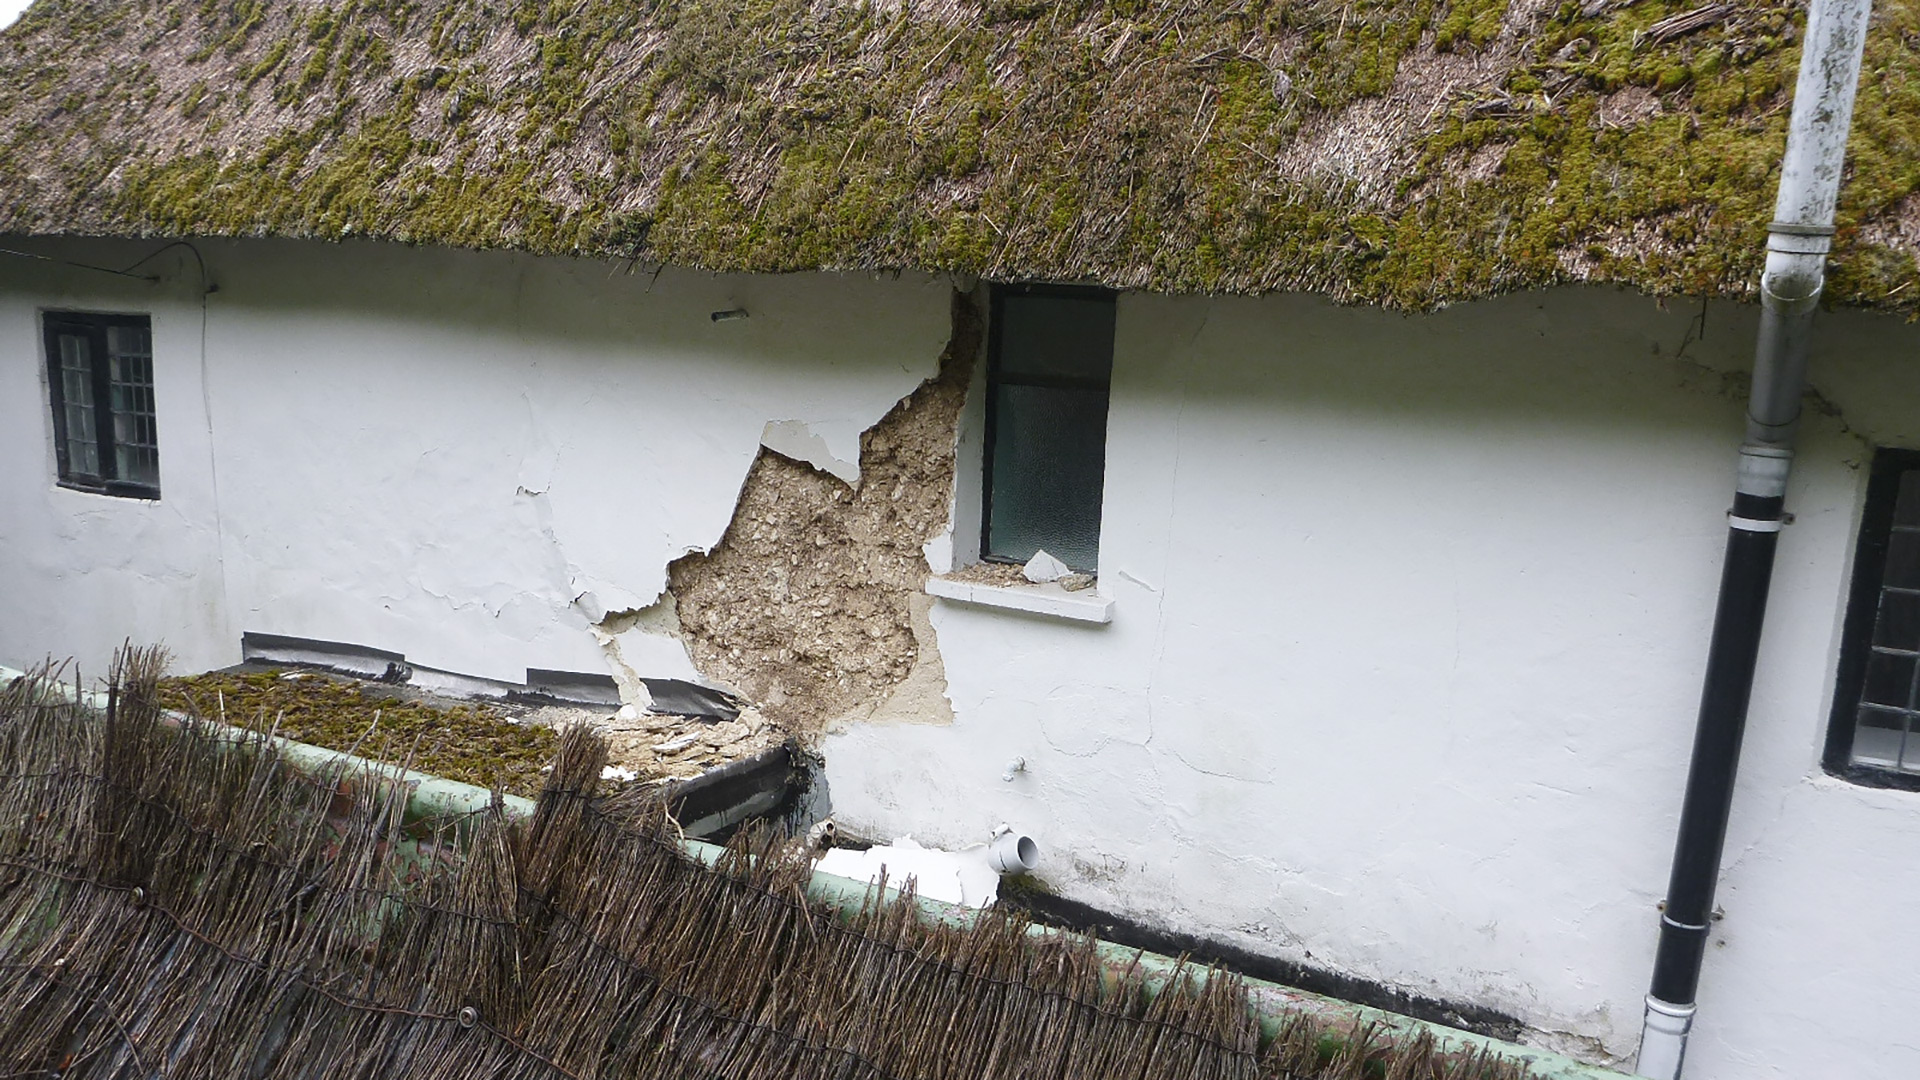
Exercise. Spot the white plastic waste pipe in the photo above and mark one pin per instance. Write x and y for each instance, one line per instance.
(1012, 853)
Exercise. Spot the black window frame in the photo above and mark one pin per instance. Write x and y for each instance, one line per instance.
(95, 325)
(996, 377)
(1857, 628)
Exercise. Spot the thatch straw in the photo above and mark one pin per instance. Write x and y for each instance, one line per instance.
(1404, 152)
(175, 904)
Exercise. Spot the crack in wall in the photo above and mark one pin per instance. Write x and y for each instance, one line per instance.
(812, 604)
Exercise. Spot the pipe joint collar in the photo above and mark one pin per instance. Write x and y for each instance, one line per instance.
(1763, 471)
(1795, 228)
(1789, 238)
(1670, 1014)
(1792, 292)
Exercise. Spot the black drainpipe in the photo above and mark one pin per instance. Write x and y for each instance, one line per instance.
(1797, 245)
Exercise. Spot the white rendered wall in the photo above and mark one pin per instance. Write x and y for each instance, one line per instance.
(463, 457)
(80, 573)
(1410, 621)
(1410, 611)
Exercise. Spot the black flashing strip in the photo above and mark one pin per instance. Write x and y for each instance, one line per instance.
(346, 656)
(715, 803)
(1050, 910)
(585, 687)
(683, 698)
(543, 685)
(257, 642)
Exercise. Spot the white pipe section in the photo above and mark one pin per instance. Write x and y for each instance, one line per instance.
(1663, 1039)
(1802, 230)
(1798, 240)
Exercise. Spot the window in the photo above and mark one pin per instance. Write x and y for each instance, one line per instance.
(1874, 736)
(100, 383)
(1048, 365)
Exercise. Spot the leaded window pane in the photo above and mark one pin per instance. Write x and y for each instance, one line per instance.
(103, 402)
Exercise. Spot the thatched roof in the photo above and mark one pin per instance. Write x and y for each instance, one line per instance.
(1408, 152)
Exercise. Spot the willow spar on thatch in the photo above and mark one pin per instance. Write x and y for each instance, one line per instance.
(174, 903)
(1406, 152)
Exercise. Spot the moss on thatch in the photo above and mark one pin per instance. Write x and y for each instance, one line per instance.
(1405, 152)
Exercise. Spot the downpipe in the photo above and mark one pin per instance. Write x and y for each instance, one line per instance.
(1797, 244)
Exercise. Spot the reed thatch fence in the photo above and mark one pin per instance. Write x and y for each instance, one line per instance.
(178, 902)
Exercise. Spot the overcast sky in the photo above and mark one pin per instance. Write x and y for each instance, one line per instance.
(11, 9)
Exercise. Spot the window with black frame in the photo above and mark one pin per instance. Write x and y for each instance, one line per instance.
(100, 384)
(1050, 360)
(1874, 736)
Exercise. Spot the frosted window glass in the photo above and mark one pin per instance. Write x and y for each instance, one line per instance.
(1047, 409)
(1049, 464)
(1056, 336)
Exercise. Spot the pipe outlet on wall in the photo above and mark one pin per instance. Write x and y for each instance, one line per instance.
(1013, 853)
(1014, 768)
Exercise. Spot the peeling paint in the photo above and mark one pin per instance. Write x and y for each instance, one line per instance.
(797, 440)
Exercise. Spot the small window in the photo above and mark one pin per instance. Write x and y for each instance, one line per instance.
(100, 383)
(1875, 732)
(1048, 366)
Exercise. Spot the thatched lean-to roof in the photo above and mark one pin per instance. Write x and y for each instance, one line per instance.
(177, 903)
(1400, 151)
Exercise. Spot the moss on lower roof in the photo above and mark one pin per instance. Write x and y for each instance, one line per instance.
(474, 744)
(1402, 152)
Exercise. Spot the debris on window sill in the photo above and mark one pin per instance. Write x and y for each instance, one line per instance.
(1043, 568)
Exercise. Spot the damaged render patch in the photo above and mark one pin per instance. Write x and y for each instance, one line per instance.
(808, 603)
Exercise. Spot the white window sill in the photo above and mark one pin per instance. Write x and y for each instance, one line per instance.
(1049, 599)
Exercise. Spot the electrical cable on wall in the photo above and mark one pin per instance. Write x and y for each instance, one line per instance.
(206, 283)
(151, 278)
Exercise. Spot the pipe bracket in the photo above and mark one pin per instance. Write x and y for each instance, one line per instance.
(1678, 925)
